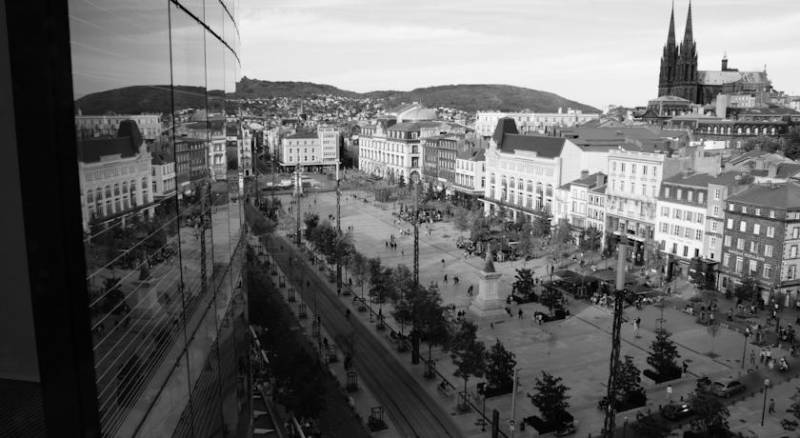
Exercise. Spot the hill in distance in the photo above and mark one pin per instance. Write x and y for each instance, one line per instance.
(467, 97)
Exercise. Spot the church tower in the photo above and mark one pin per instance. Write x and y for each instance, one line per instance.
(686, 80)
(669, 59)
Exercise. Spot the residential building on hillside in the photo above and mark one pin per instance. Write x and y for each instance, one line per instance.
(762, 237)
(115, 175)
(89, 126)
(531, 122)
(523, 171)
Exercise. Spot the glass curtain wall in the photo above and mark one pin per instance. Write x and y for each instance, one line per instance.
(154, 83)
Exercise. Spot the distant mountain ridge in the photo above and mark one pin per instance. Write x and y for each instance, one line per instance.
(466, 97)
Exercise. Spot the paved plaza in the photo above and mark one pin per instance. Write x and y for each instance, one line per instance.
(576, 349)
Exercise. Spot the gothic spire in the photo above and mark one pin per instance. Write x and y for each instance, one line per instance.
(671, 35)
(688, 36)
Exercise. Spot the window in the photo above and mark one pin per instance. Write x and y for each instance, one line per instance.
(756, 229)
(767, 250)
(726, 259)
(665, 211)
(698, 235)
(677, 230)
(753, 268)
(622, 167)
(685, 251)
(742, 226)
(674, 248)
(687, 216)
(795, 232)
(700, 197)
(767, 271)
(680, 194)
(699, 218)
(730, 207)
(754, 247)
(633, 169)
(739, 264)
(664, 227)
(644, 170)
(644, 190)
(714, 226)
(666, 192)
(716, 194)
(740, 244)
(758, 212)
(772, 214)
(716, 210)
(677, 214)
(793, 251)
(727, 240)
(687, 233)
(689, 195)
(613, 166)
(730, 224)
(744, 209)
(713, 242)
(790, 275)
(770, 231)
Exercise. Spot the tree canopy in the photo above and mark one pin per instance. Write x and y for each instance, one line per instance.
(551, 398)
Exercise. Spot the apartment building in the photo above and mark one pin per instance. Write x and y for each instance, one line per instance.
(89, 126)
(531, 122)
(761, 239)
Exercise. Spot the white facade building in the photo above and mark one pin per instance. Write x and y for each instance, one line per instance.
(163, 173)
(681, 223)
(523, 171)
(529, 122)
(315, 149)
(575, 201)
(470, 172)
(107, 125)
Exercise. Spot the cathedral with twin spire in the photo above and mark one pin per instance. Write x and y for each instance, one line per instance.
(680, 77)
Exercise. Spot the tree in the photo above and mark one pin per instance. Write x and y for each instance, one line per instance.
(629, 388)
(764, 143)
(712, 415)
(748, 289)
(500, 367)
(791, 143)
(469, 357)
(664, 354)
(422, 308)
(651, 426)
(551, 399)
(591, 238)
(462, 219)
(551, 298)
(311, 220)
(523, 282)
(541, 223)
(359, 269)
(401, 182)
(563, 232)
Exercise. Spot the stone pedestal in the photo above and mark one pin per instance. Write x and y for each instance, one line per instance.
(488, 301)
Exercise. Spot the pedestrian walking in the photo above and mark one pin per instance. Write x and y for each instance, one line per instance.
(772, 406)
(685, 367)
(669, 393)
(753, 359)
(442, 263)
(519, 313)
(445, 278)
(762, 356)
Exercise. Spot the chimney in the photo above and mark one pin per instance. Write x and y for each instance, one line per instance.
(584, 174)
(772, 170)
(601, 179)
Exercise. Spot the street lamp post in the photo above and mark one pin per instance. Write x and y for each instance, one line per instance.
(624, 427)
(764, 408)
(744, 352)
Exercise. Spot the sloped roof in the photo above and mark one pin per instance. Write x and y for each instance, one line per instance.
(691, 180)
(548, 147)
(783, 170)
(475, 154)
(674, 99)
(589, 180)
(615, 133)
(90, 150)
(785, 195)
(506, 125)
(302, 134)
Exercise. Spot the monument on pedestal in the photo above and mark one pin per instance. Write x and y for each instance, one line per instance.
(488, 301)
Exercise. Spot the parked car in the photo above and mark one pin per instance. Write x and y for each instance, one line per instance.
(525, 298)
(726, 388)
(677, 411)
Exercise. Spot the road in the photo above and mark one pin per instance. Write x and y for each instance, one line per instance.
(412, 410)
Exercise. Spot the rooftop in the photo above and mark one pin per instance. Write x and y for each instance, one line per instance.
(785, 195)
(690, 179)
(543, 146)
(91, 150)
(302, 134)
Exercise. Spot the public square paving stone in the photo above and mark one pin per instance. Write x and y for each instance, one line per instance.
(576, 349)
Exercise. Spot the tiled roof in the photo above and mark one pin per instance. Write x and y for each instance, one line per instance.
(616, 133)
(589, 180)
(548, 147)
(406, 127)
(476, 154)
(162, 158)
(90, 150)
(690, 180)
(785, 195)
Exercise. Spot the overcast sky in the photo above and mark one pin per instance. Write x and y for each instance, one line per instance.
(597, 52)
